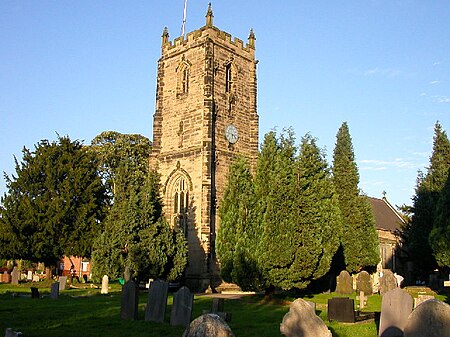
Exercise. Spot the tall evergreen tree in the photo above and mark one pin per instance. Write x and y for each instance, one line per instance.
(428, 190)
(359, 238)
(54, 205)
(237, 236)
(440, 234)
(135, 234)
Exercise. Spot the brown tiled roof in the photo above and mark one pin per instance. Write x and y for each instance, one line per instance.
(385, 215)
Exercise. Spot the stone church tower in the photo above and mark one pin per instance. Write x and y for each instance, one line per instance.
(205, 117)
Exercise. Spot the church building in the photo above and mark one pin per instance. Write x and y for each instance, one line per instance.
(205, 117)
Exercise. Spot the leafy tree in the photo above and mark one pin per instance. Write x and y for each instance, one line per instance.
(440, 234)
(359, 238)
(237, 237)
(54, 204)
(135, 234)
(428, 190)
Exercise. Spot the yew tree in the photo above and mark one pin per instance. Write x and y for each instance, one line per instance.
(54, 204)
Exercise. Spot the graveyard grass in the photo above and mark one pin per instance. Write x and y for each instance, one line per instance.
(85, 312)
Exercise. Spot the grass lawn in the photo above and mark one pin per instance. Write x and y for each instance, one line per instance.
(87, 313)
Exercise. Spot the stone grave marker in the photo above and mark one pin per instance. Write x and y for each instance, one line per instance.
(130, 301)
(105, 285)
(6, 277)
(422, 298)
(388, 281)
(62, 283)
(217, 305)
(157, 301)
(364, 283)
(127, 274)
(54, 291)
(34, 292)
(29, 275)
(36, 278)
(302, 321)
(430, 319)
(10, 333)
(362, 300)
(15, 276)
(208, 325)
(344, 283)
(183, 302)
(396, 305)
(341, 309)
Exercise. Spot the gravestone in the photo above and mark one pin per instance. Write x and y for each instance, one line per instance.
(10, 333)
(341, 309)
(344, 283)
(6, 277)
(388, 281)
(208, 325)
(127, 274)
(105, 285)
(36, 278)
(217, 305)
(422, 298)
(34, 292)
(130, 301)
(183, 302)
(62, 283)
(29, 275)
(364, 283)
(396, 305)
(362, 300)
(157, 301)
(15, 276)
(54, 291)
(302, 321)
(430, 319)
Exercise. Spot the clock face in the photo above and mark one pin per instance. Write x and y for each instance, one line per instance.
(231, 133)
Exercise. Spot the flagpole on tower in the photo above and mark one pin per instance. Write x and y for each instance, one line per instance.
(184, 18)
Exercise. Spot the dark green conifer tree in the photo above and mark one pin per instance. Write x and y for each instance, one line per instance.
(428, 190)
(359, 239)
(54, 205)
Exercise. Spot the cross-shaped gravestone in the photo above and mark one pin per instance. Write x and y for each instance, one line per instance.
(362, 300)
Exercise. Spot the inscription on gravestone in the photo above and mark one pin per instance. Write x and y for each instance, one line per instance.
(130, 301)
(157, 301)
(396, 305)
(183, 302)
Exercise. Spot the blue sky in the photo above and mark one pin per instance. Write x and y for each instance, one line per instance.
(78, 68)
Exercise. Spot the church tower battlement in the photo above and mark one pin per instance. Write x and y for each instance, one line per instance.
(205, 117)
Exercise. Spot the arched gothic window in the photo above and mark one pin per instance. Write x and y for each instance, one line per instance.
(183, 78)
(180, 204)
(228, 78)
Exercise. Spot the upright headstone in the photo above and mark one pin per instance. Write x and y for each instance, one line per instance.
(157, 301)
(302, 321)
(344, 283)
(396, 305)
(29, 275)
(62, 283)
(34, 292)
(6, 277)
(388, 281)
(105, 284)
(183, 302)
(208, 325)
(54, 291)
(422, 298)
(36, 278)
(430, 319)
(130, 301)
(341, 309)
(15, 276)
(364, 283)
(217, 305)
